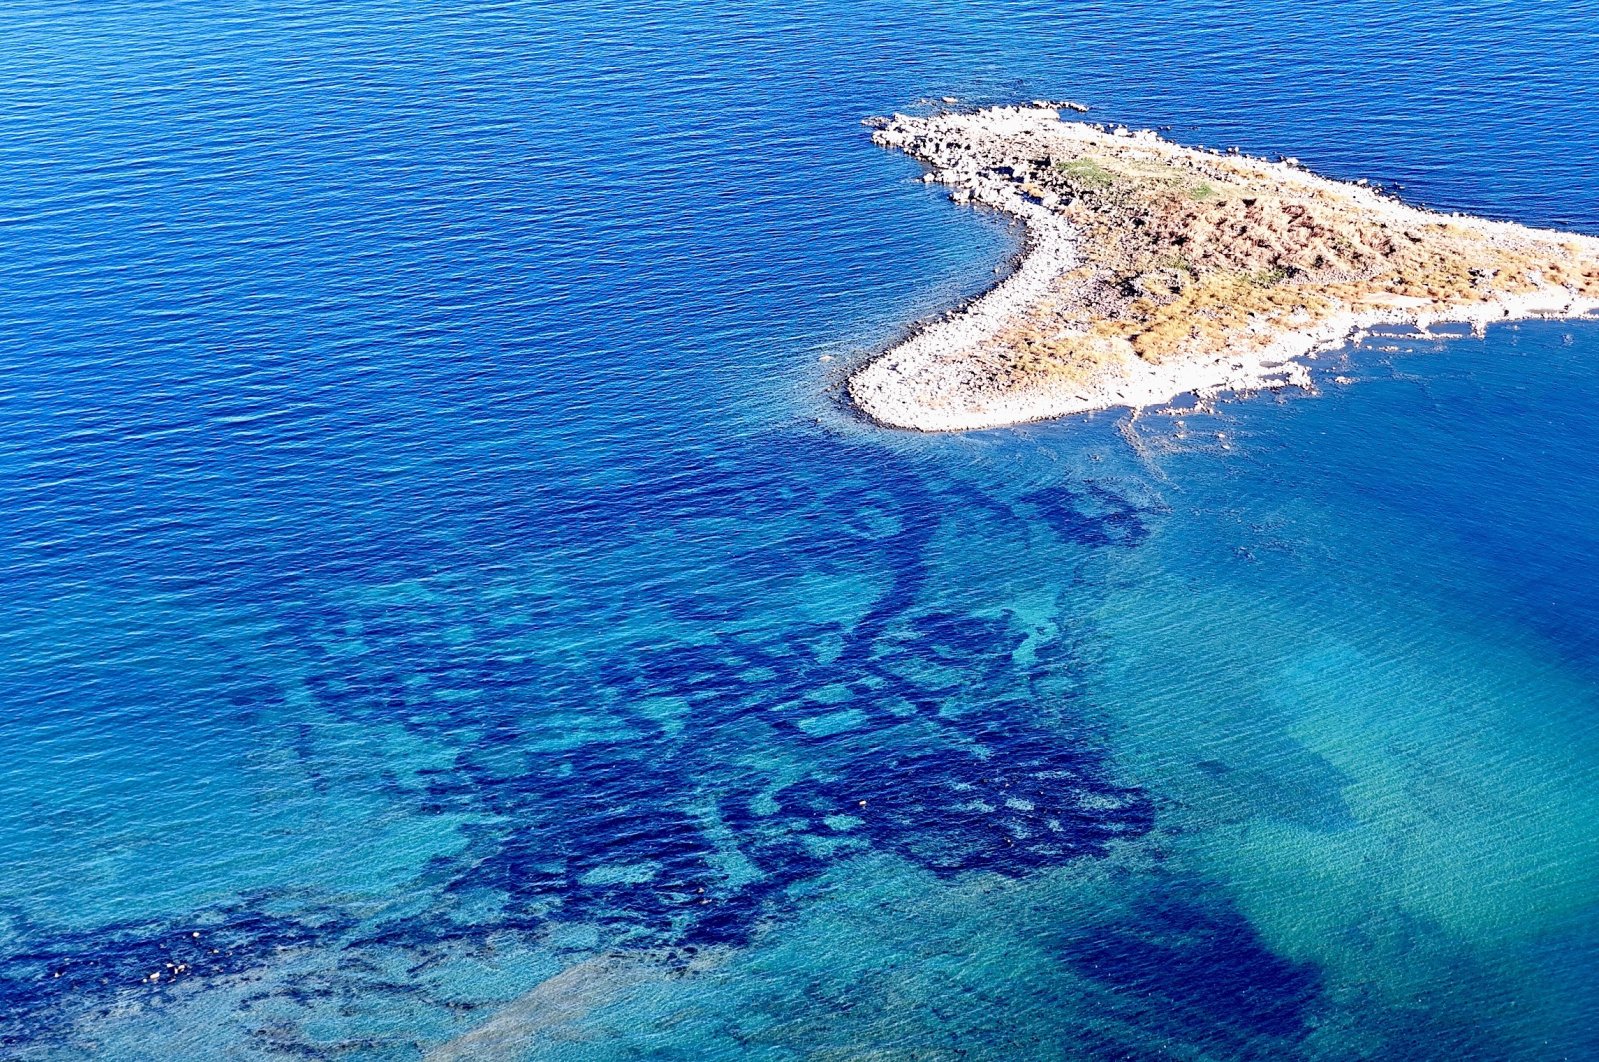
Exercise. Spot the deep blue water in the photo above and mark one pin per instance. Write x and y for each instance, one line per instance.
(451, 614)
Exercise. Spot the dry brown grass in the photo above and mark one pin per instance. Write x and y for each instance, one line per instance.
(1186, 259)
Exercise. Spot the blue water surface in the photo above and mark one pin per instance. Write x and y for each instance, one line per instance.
(453, 614)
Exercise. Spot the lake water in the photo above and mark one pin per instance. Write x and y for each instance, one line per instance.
(451, 614)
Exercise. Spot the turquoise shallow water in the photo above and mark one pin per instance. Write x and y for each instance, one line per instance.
(452, 615)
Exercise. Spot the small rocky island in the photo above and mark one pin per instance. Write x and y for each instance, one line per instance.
(1152, 270)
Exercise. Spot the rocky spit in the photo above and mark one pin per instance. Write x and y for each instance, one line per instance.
(1153, 270)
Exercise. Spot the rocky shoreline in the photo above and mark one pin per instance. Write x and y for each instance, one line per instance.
(1152, 270)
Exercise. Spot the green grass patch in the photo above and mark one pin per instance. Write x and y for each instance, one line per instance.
(1177, 261)
(1086, 173)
